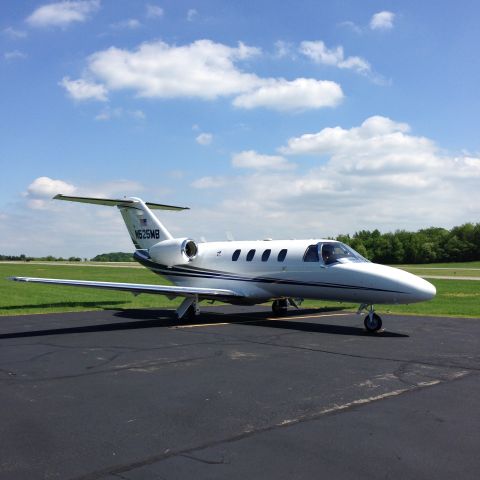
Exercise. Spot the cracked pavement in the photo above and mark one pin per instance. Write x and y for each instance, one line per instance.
(134, 394)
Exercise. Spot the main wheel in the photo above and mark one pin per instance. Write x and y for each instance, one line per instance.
(189, 315)
(373, 323)
(279, 306)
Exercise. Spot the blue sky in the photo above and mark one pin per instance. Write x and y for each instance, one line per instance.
(280, 119)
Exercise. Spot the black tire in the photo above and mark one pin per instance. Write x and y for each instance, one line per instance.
(279, 307)
(188, 316)
(373, 324)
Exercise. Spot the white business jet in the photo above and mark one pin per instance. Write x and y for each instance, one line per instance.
(252, 272)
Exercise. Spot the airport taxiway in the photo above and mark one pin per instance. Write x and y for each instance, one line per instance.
(238, 394)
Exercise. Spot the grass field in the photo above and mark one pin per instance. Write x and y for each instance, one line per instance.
(454, 297)
(466, 269)
(456, 265)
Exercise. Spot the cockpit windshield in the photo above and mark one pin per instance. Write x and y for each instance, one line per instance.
(339, 252)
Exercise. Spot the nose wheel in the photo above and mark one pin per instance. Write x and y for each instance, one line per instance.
(372, 322)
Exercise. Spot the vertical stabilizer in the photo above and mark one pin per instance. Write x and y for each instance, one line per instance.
(143, 226)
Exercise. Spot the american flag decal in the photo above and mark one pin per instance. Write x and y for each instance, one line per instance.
(143, 221)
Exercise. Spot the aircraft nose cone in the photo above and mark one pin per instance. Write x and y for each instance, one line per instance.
(425, 290)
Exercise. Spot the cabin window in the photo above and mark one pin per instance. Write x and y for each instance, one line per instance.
(311, 254)
(282, 254)
(266, 255)
(235, 255)
(250, 255)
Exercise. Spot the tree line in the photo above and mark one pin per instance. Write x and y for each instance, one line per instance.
(48, 258)
(460, 244)
(104, 257)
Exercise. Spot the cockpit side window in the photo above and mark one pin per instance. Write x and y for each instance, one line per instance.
(328, 253)
(311, 254)
(338, 252)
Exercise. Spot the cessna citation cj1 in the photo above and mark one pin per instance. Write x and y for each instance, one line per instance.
(252, 272)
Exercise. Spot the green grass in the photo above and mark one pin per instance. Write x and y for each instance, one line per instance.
(454, 297)
(19, 298)
(455, 265)
(463, 269)
(450, 272)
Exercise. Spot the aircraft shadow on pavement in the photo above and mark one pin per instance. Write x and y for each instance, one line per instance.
(105, 327)
(207, 316)
(150, 318)
(62, 305)
(264, 319)
(324, 328)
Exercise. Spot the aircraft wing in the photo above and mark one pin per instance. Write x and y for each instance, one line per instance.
(137, 288)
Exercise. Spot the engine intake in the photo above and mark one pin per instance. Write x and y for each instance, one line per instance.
(176, 251)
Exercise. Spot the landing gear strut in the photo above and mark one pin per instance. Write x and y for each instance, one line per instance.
(188, 309)
(372, 322)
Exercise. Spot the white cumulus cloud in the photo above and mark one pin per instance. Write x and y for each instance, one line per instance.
(62, 14)
(42, 189)
(84, 90)
(129, 24)
(378, 145)
(256, 161)
(320, 53)
(59, 228)
(382, 21)
(283, 49)
(298, 94)
(351, 25)
(209, 182)
(154, 11)
(204, 139)
(118, 112)
(374, 175)
(46, 187)
(203, 69)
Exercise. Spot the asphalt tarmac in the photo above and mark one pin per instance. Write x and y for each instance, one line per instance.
(238, 394)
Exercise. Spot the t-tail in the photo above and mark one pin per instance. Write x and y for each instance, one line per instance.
(143, 226)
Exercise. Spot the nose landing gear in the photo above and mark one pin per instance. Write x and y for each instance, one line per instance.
(372, 322)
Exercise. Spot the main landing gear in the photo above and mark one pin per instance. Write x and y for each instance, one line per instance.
(188, 309)
(280, 306)
(372, 322)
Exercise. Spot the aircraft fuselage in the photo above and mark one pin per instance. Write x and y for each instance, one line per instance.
(260, 271)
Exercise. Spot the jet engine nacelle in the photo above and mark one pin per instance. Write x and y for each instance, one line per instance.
(176, 251)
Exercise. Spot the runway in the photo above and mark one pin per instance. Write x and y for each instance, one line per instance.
(238, 394)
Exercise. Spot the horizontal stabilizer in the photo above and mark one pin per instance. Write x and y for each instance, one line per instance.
(167, 290)
(111, 202)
